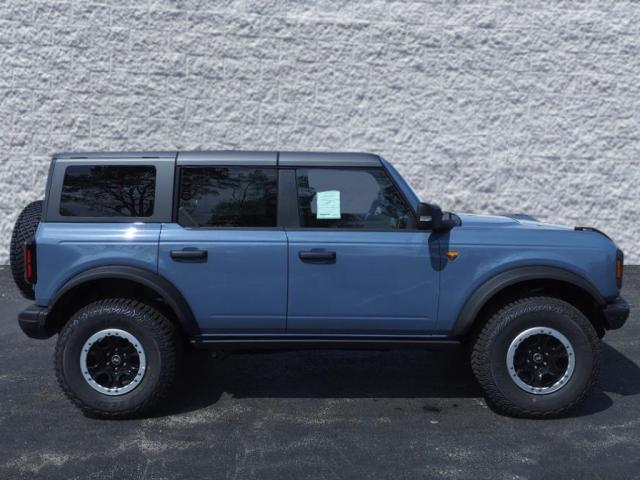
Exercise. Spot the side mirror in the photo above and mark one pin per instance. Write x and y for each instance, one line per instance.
(430, 217)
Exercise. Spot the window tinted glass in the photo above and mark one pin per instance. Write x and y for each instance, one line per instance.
(108, 191)
(228, 197)
(350, 198)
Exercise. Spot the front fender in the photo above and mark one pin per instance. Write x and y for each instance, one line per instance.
(497, 283)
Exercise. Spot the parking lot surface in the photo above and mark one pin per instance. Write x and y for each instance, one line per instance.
(316, 414)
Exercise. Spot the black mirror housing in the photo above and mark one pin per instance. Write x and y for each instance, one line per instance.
(430, 217)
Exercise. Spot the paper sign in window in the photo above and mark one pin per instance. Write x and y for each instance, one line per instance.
(328, 204)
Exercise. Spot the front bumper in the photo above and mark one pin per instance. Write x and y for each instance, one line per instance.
(615, 313)
(33, 322)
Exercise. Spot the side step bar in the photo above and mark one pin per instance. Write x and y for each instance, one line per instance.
(322, 343)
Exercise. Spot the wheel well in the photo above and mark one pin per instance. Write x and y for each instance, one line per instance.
(568, 292)
(93, 290)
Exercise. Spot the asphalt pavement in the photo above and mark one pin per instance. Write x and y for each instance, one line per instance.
(316, 415)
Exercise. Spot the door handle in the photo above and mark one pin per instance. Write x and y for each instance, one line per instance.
(316, 255)
(187, 254)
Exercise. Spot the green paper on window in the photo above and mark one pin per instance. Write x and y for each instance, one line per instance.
(328, 205)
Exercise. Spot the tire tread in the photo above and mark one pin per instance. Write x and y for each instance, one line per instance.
(23, 230)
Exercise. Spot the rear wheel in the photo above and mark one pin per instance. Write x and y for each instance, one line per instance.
(537, 357)
(23, 231)
(117, 358)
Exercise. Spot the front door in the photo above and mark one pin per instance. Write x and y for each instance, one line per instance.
(225, 253)
(357, 265)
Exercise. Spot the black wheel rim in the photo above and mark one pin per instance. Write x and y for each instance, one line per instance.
(540, 360)
(113, 361)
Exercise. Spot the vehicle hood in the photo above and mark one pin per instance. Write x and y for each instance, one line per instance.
(509, 220)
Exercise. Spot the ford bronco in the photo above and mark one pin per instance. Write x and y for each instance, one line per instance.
(132, 257)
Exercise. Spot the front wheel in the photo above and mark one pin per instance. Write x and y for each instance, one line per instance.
(537, 357)
(116, 358)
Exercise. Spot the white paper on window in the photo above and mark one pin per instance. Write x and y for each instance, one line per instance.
(328, 204)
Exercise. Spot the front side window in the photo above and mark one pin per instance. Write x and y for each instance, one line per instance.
(108, 191)
(228, 197)
(350, 198)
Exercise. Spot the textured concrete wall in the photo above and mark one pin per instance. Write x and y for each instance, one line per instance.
(485, 106)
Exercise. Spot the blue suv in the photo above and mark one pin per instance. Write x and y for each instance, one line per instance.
(132, 257)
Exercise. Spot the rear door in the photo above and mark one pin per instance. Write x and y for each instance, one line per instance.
(357, 265)
(224, 252)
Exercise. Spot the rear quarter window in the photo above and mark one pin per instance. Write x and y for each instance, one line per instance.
(98, 191)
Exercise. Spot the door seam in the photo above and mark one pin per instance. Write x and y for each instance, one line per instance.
(286, 311)
(158, 249)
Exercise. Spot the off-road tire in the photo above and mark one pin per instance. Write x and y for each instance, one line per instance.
(23, 230)
(489, 357)
(158, 337)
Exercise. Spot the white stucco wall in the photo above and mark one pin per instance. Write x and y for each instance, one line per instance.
(491, 106)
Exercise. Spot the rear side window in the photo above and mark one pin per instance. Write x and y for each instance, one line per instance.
(350, 198)
(108, 191)
(228, 197)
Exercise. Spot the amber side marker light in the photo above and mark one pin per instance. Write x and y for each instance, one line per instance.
(30, 270)
(619, 268)
(452, 255)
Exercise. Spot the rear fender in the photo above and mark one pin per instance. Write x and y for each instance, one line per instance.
(160, 285)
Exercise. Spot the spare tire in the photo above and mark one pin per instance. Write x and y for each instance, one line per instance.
(23, 230)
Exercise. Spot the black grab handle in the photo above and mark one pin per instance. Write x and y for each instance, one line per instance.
(189, 254)
(316, 255)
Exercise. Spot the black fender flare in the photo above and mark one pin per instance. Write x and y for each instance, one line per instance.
(163, 287)
(500, 281)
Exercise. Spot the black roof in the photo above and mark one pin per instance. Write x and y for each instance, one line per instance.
(248, 157)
